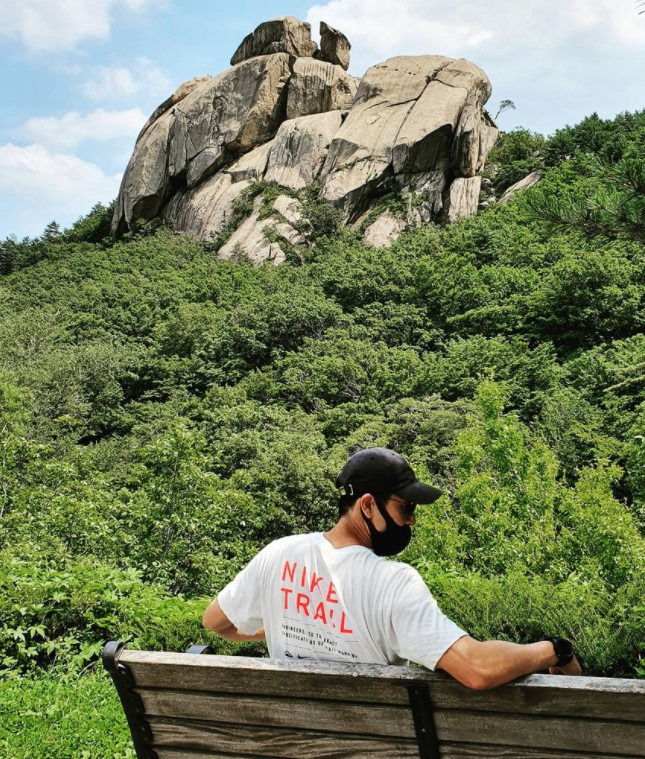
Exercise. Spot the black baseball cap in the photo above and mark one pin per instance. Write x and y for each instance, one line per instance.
(384, 472)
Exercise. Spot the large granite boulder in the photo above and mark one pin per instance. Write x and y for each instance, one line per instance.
(206, 210)
(383, 231)
(334, 46)
(232, 114)
(412, 116)
(288, 113)
(299, 149)
(360, 156)
(144, 186)
(281, 35)
(318, 87)
(453, 92)
(217, 121)
(177, 96)
(463, 198)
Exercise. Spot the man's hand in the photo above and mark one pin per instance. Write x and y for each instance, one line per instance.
(214, 619)
(572, 668)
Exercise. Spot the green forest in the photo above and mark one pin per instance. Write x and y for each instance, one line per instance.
(164, 414)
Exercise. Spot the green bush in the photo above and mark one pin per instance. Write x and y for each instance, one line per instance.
(62, 616)
(53, 717)
(607, 632)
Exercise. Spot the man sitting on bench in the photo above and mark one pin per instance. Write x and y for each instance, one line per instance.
(333, 596)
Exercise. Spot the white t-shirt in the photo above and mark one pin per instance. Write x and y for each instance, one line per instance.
(320, 602)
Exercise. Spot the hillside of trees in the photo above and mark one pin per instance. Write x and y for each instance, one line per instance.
(164, 414)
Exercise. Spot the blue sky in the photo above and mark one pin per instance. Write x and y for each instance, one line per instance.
(80, 77)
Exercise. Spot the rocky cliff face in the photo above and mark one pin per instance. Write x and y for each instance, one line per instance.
(288, 112)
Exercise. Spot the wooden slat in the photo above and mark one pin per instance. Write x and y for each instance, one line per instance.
(538, 695)
(373, 683)
(284, 743)
(479, 751)
(608, 698)
(567, 734)
(394, 674)
(448, 751)
(248, 663)
(557, 697)
(297, 685)
(392, 721)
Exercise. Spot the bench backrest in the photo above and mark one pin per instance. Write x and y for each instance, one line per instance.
(190, 706)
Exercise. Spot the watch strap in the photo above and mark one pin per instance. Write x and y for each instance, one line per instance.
(563, 650)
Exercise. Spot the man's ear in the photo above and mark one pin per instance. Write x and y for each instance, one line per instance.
(367, 504)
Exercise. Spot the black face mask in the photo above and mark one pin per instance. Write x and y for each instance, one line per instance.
(394, 539)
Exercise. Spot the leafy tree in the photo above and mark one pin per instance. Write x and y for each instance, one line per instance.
(588, 297)
(505, 105)
(516, 154)
(611, 203)
(514, 515)
(604, 138)
(94, 227)
(52, 231)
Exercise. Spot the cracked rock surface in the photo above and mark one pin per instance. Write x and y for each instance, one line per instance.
(334, 46)
(288, 112)
(280, 35)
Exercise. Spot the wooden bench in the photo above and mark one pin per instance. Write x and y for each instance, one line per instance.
(194, 706)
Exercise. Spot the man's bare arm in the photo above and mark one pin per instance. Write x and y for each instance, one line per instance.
(215, 620)
(486, 664)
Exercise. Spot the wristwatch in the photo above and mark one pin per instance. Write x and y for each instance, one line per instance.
(563, 650)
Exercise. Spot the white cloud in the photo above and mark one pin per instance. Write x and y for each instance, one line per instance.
(504, 28)
(55, 25)
(609, 19)
(70, 130)
(396, 26)
(111, 83)
(47, 185)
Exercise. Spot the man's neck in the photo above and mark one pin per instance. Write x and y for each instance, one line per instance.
(346, 533)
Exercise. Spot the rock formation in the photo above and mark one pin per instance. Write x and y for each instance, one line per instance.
(288, 112)
(418, 120)
(282, 35)
(524, 184)
(334, 46)
(384, 230)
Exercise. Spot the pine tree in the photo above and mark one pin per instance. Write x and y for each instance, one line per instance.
(51, 231)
